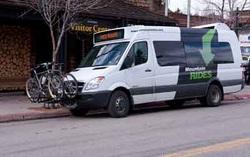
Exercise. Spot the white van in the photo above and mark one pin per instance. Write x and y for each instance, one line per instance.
(142, 64)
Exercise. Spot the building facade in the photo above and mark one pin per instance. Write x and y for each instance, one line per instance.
(158, 7)
(244, 22)
(25, 40)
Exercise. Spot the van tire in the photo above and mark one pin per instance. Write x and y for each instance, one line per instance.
(213, 97)
(119, 104)
(175, 103)
(79, 112)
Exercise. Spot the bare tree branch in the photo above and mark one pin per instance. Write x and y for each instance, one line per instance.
(226, 9)
(59, 14)
(23, 14)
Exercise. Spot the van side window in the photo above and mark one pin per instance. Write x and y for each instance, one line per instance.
(223, 53)
(138, 54)
(169, 53)
(221, 50)
(193, 52)
(140, 51)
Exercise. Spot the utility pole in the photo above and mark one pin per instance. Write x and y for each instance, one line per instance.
(166, 7)
(236, 27)
(188, 13)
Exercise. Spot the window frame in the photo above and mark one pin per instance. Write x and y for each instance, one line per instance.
(129, 51)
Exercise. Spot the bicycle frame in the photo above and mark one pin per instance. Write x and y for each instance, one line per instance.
(48, 85)
(42, 84)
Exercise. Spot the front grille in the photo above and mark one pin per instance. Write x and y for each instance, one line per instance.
(80, 86)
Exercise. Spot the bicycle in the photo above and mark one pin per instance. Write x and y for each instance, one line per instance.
(45, 85)
(70, 84)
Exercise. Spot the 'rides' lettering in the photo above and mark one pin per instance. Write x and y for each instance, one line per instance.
(200, 75)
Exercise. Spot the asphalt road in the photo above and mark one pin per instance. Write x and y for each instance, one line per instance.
(191, 131)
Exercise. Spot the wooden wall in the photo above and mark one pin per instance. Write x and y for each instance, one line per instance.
(15, 56)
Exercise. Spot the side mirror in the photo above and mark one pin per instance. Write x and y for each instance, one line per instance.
(128, 62)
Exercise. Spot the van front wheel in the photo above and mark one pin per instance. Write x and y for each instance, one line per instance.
(118, 104)
(213, 97)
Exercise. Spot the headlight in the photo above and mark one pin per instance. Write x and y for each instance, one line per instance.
(94, 83)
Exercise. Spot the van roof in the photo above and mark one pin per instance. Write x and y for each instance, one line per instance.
(128, 32)
(218, 26)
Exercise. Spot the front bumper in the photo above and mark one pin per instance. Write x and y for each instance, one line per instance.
(93, 100)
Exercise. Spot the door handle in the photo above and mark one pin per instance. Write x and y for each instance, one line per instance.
(148, 70)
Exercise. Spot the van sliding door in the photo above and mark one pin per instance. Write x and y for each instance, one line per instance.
(171, 59)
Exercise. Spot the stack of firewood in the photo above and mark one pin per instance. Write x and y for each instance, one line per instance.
(15, 52)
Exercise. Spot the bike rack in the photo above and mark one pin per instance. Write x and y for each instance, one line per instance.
(44, 95)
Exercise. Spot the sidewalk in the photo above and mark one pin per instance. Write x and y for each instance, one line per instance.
(17, 107)
(243, 94)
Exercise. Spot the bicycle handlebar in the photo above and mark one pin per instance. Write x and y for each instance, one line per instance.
(46, 65)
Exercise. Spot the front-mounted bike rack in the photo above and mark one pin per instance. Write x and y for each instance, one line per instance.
(50, 85)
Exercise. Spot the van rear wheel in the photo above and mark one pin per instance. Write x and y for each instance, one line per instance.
(119, 104)
(213, 97)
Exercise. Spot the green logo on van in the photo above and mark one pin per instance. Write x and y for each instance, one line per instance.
(206, 52)
(200, 75)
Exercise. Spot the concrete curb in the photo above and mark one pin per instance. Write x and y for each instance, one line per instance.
(236, 97)
(34, 115)
(62, 112)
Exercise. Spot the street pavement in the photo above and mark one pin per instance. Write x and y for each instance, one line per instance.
(191, 131)
(15, 106)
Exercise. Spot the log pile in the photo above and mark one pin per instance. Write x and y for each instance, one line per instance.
(15, 56)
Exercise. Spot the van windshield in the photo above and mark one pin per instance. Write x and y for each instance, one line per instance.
(103, 55)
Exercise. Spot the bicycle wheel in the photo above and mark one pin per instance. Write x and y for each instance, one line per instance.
(55, 87)
(32, 90)
(70, 86)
